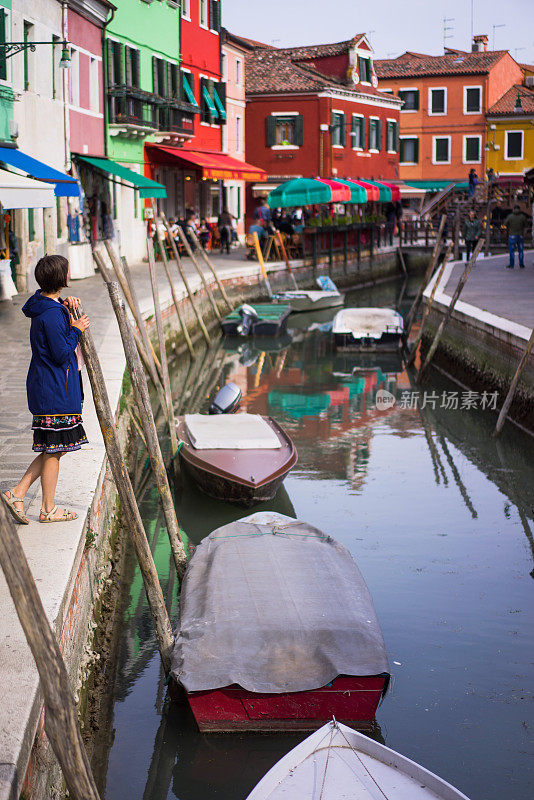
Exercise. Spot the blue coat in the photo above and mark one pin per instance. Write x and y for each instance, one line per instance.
(52, 385)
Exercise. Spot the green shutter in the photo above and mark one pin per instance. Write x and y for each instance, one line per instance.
(299, 130)
(3, 60)
(215, 15)
(189, 93)
(128, 59)
(401, 150)
(362, 133)
(155, 86)
(219, 103)
(109, 62)
(169, 68)
(31, 225)
(343, 131)
(120, 50)
(270, 131)
(379, 135)
(209, 101)
(416, 103)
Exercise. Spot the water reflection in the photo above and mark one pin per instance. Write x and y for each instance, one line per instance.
(438, 516)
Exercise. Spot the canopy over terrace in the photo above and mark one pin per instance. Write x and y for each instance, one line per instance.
(217, 166)
(64, 185)
(146, 187)
(18, 191)
(310, 191)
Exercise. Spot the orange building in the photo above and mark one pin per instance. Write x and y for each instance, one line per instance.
(443, 119)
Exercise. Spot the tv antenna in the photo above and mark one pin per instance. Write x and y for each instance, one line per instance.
(517, 50)
(447, 30)
(494, 27)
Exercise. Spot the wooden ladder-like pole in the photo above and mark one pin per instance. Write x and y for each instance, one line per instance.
(259, 255)
(513, 386)
(61, 718)
(189, 251)
(212, 269)
(428, 274)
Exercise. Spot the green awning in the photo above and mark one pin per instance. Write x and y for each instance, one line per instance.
(147, 187)
(209, 102)
(189, 92)
(438, 186)
(357, 192)
(299, 192)
(219, 104)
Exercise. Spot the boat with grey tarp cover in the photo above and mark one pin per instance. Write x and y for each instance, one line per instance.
(277, 630)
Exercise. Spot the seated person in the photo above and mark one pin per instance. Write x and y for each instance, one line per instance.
(204, 232)
(259, 228)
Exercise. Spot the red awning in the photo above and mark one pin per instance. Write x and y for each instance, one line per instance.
(395, 190)
(373, 192)
(217, 166)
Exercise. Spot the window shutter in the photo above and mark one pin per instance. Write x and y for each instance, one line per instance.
(416, 150)
(155, 87)
(379, 135)
(170, 68)
(343, 132)
(128, 59)
(3, 61)
(401, 151)
(354, 127)
(299, 130)
(362, 133)
(109, 62)
(215, 15)
(270, 130)
(396, 136)
(120, 60)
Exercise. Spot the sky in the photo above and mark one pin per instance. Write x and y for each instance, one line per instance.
(393, 25)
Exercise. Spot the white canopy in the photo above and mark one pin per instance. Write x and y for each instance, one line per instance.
(18, 191)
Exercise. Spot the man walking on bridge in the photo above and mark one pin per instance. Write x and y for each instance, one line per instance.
(472, 233)
(515, 222)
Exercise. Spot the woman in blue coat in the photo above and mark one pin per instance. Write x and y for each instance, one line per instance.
(53, 387)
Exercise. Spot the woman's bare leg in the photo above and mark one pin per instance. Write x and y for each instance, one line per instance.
(30, 476)
(49, 476)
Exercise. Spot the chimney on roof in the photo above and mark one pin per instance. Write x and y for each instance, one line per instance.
(480, 43)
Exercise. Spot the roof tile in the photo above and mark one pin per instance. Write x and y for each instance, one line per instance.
(413, 65)
(505, 104)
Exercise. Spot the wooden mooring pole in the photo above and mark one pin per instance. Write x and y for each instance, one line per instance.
(189, 251)
(149, 430)
(61, 718)
(426, 312)
(286, 259)
(461, 283)
(162, 350)
(259, 256)
(428, 274)
(212, 269)
(129, 510)
(513, 386)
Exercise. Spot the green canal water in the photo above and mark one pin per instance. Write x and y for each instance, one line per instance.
(439, 517)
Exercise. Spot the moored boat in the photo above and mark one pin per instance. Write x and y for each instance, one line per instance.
(277, 630)
(365, 329)
(336, 763)
(259, 319)
(300, 300)
(240, 458)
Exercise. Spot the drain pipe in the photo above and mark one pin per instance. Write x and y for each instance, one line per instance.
(65, 82)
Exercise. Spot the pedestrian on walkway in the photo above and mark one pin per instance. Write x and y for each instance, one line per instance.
(516, 222)
(54, 388)
(224, 224)
(472, 233)
(473, 182)
(391, 221)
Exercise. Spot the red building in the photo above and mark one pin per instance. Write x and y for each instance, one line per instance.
(316, 111)
(192, 165)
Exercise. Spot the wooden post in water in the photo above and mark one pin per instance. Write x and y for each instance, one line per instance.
(178, 260)
(61, 718)
(286, 259)
(457, 235)
(189, 251)
(175, 300)
(129, 510)
(513, 386)
(461, 283)
(426, 312)
(138, 316)
(162, 350)
(401, 259)
(428, 274)
(212, 269)
(149, 429)
(259, 254)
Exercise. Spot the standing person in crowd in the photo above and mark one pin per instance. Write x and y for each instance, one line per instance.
(263, 212)
(224, 224)
(391, 220)
(54, 389)
(472, 233)
(515, 223)
(473, 181)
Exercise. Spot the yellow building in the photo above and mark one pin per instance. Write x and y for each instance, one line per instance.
(510, 134)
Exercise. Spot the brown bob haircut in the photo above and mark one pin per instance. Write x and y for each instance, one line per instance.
(51, 273)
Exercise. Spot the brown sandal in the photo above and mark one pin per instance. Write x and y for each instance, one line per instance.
(67, 516)
(10, 503)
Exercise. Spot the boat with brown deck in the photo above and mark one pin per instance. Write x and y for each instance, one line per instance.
(240, 458)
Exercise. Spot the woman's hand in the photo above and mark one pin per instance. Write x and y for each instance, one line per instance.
(71, 302)
(82, 324)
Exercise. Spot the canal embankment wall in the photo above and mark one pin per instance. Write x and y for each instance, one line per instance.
(72, 564)
(487, 333)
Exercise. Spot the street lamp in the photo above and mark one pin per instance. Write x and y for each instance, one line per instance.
(9, 49)
(65, 61)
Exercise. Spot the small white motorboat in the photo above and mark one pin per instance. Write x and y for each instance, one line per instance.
(337, 763)
(327, 296)
(366, 329)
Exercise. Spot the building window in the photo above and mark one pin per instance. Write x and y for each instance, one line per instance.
(215, 15)
(392, 136)
(472, 149)
(188, 88)
(224, 66)
(115, 63)
(513, 148)
(238, 134)
(204, 13)
(186, 10)
(442, 149)
(357, 132)
(28, 37)
(159, 75)
(238, 72)
(364, 65)
(437, 102)
(283, 130)
(472, 99)
(94, 103)
(339, 133)
(74, 76)
(133, 69)
(410, 97)
(409, 150)
(375, 134)
(56, 49)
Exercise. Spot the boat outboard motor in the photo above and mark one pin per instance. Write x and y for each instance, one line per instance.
(227, 400)
(248, 317)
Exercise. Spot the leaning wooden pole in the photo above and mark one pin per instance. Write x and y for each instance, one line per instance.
(138, 317)
(212, 270)
(181, 270)
(162, 349)
(175, 300)
(146, 417)
(461, 283)
(428, 274)
(401, 261)
(286, 259)
(513, 386)
(129, 510)
(428, 306)
(189, 251)
(61, 718)
(259, 256)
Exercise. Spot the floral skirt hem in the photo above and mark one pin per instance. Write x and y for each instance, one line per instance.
(62, 433)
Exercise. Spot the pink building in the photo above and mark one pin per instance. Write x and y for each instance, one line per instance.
(85, 21)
